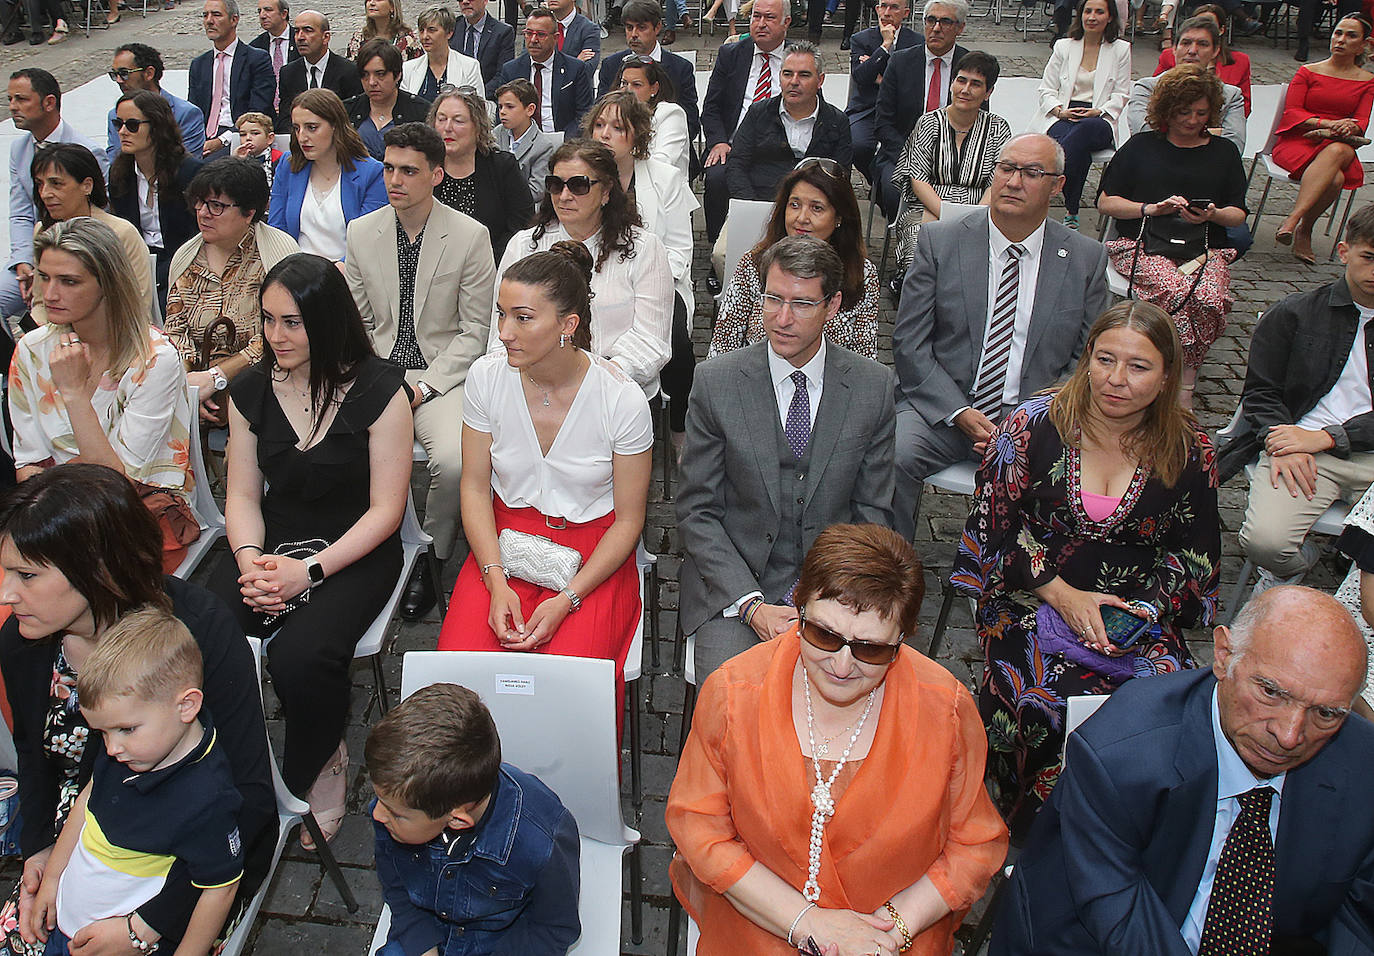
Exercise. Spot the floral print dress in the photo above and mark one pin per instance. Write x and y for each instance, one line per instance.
(1028, 525)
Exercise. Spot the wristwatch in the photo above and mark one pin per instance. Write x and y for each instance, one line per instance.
(573, 598)
(426, 393)
(221, 383)
(312, 568)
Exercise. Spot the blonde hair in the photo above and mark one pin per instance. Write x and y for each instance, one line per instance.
(257, 119)
(396, 23)
(147, 654)
(100, 253)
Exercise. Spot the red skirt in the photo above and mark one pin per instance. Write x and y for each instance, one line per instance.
(603, 627)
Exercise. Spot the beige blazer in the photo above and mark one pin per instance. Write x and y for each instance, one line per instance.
(134, 248)
(1111, 81)
(454, 285)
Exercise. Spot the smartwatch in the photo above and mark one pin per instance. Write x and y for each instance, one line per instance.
(312, 568)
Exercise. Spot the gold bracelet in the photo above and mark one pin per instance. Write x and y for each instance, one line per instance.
(901, 926)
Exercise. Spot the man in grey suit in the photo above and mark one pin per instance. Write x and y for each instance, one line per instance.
(756, 488)
(996, 306)
(1199, 43)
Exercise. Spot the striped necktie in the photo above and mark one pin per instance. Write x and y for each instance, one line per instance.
(764, 88)
(992, 373)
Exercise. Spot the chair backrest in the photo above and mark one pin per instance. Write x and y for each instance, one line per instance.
(1275, 115)
(1017, 100)
(282, 141)
(1266, 106)
(691, 57)
(556, 717)
(156, 310)
(950, 210)
(1080, 708)
(202, 498)
(835, 89)
(747, 222)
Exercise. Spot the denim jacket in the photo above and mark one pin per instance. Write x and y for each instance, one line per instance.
(513, 890)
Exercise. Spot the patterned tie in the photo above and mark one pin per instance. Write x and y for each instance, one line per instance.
(933, 94)
(1240, 917)
(798, 428)
(560, 37)
(539, 95)
(221, 88)
(992, 373)
(276, 71)
(764, 88)
(470, 43)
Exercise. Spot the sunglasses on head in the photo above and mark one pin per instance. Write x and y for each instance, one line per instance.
(577, 185)
(865, 652)
(828, 166)
(464, 90)
(133, 124)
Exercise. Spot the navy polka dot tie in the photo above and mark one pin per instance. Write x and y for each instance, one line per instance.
(798, 429)
(1240, 914)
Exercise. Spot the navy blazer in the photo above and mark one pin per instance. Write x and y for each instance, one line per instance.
(1115, 856)
(902, 97)
(720, 110)
(360, 192)
(679, 70)
(262, 42)
(863, 76)
(761, 155)
(495, 45)
(340, 75)
(252, 84)
(175, 218)
(572, 88)
(582, 34)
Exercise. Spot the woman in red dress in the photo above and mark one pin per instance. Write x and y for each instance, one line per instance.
(556, 443)
(1325, 116)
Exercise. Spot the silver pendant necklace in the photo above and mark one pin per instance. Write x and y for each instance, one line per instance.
(540, 387)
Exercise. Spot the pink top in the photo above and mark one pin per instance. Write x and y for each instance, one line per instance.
(1099, 507)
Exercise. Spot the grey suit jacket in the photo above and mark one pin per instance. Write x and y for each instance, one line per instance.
(454, 283)
(1232, 109)
(938, 337)
(533, 155)
(728, 497)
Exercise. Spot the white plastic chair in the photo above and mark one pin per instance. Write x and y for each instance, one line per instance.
(556, 717)
(745, 225)
(645, 564)
(208, 515)
(960, 478)
(156, 310)
(835, 89)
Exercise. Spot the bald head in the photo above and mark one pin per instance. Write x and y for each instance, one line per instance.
(1312, 622)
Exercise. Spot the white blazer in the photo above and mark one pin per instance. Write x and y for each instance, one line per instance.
(461, 71)
(1111, 80)
(670, 143)
(665, 204)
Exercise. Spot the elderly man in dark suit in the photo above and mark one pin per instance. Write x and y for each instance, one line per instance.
(1213, 811)
(916, 81)
(870, 51)
(277, 39)
(757, 487)
(943, 343)
(316, 68)
(484, 38)
(229, 80)
(776, 133)
(563, 82)
(643, 22)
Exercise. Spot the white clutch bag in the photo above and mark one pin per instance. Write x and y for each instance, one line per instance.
(536, 559)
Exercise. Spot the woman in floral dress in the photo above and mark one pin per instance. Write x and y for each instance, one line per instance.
(1102, 493)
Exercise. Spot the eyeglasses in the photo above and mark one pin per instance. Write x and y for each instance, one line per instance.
(802, 309)
(133, 125)
(827, 166)
(537, 34)
(577, 185)
(1031, 174)
(865, 652)
(213, 206)
(122, 73)
(466, 89)
(944, 23)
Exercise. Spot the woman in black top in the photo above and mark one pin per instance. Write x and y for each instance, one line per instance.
(326, 424)
(79, 550)
(479, 179)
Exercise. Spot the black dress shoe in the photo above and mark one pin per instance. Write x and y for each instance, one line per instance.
(712, 283)
(894, 285)
(419, 596)
(36, 38)
(844, 43)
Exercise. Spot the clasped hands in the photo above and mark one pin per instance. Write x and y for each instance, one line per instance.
(1291, 450)
(508, 622)
(1075, 113)
(847, 933)
(271, 581)
(38, 916)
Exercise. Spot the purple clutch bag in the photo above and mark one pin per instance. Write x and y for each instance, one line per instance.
(1056, 637)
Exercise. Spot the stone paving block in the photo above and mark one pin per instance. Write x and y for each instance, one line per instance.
(279, 937)
(368, 892)
(293, 888)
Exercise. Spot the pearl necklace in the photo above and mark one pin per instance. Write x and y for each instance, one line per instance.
(821, 799)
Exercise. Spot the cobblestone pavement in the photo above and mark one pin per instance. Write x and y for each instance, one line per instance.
(303, 912)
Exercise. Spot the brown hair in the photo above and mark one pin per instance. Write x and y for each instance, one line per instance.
(847, 239)
(348, 145)
(1168, 432)
(865, 567)
(1180, 88)
(618, 216)
(396, 23)
(147, 654)
(634, 115)
(437, 750)
(1217, 12)
(564, 274)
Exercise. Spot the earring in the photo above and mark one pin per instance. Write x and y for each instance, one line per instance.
(562, 341)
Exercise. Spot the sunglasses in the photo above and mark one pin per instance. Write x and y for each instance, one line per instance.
(123, 73)
(865, 652)
(464, 90)
(828, 166)
(577, 185)
(133, 125)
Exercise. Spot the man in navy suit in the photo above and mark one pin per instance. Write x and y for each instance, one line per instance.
(278, 37)
(564, 82)
(315, 68)
(869, 53)
(1221, 811)
(643, 20)
(578, 36)
(739, 79)
(916, 80)
(249, 85)
(484, 38)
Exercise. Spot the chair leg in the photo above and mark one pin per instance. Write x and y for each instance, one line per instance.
(916, 508)
(984, 928)
(380, 691)
(653, 613)
(1238, 592)
(882, 261)
(674, 923)
(436, 575)
(679, 642)
(1264, 197)
(331, 865)
(636, 770)
(1341, 231)
(689, 704)
(941, 621)
(636, 895)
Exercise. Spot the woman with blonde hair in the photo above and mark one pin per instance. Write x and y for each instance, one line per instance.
(99, 383)
(384, 21)
(1093, 541)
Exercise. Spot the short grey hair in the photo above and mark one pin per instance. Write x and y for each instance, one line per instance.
(231, 8)
(1058, 150)
(442, 17)
(804, 257)
(961, 8)
(805, 48)
(284, 6)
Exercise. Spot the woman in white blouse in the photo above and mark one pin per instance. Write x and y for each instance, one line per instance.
(556, 443)
(632, 282)
(1083, 91)
(649, 82)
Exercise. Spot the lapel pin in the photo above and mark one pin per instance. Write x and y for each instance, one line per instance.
(1063, 253)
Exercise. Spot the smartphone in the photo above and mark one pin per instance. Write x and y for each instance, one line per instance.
(1199, 205)
(1124, 629)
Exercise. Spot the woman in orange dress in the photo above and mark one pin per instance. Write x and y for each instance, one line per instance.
(831, 791)
(1325, 116)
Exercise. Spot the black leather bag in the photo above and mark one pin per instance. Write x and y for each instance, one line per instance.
(1173, 237)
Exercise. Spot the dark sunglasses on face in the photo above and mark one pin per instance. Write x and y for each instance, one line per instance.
(133, 124)
(577, 185)
(865, 652)
(121, 74)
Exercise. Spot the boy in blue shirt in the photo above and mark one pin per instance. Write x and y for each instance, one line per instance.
(474, 856)
(161, 793)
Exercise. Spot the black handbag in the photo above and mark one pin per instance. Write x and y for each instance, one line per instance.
(1175, 239)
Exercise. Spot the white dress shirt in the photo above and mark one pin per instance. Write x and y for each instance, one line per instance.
(1350, 395)
(799, 131)
(946, 68)
(998, 245)
(149, 212)
(1233, 779)
(273, 43)
(546, 99)
(755, 67)
(225, 121)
